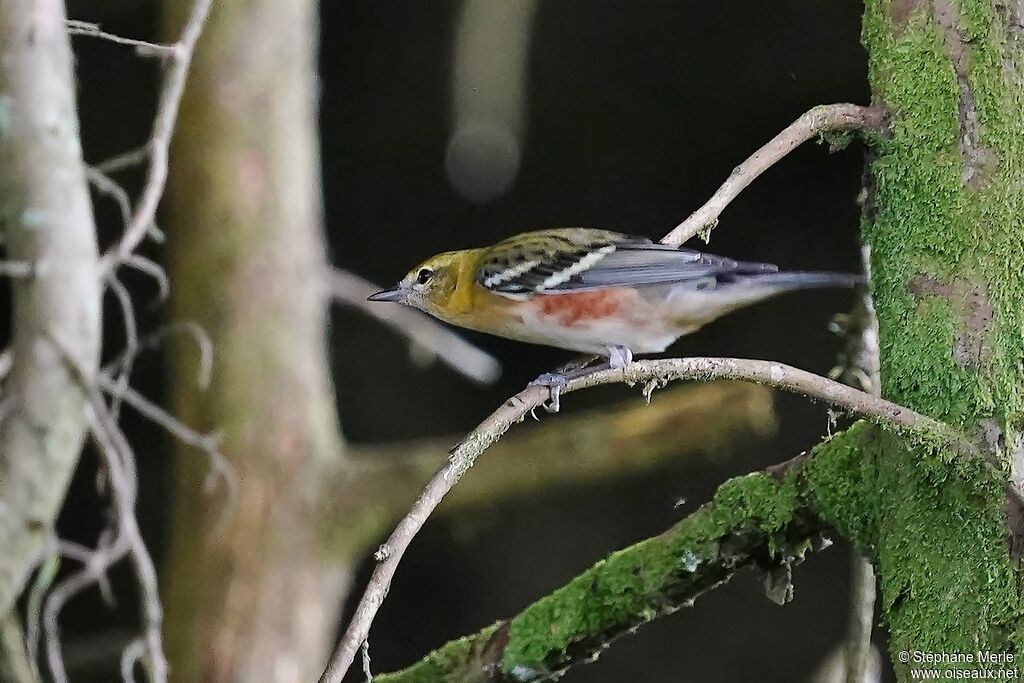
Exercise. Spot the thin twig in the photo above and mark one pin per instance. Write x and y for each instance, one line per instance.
(160, 139)
(819, 120)
(129, 657)
(131, 333)
(191, 329)
(351, 290)
(127, 541)
(152, 269)
(125, 160)
(106, 185)
(209, 444)
(144, 48)
(116, 452)
(648, 374)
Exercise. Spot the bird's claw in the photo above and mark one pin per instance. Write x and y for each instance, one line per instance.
(554, 381)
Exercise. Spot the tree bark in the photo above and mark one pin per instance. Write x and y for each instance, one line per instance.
(47, 223)
(257, 599)
(945, 221)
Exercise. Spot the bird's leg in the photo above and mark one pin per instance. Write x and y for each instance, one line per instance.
(619, 357)
(554, 381)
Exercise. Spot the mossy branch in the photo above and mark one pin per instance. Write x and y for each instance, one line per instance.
(759, 520)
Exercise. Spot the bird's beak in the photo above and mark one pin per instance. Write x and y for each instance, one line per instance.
(396, 294)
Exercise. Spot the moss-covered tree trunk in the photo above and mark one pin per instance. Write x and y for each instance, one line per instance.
(945, 222)
(257, 599)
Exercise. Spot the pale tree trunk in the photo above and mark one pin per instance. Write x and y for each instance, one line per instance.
(256, 600)
(47, 227)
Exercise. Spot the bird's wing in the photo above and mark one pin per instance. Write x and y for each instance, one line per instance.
(577, 259)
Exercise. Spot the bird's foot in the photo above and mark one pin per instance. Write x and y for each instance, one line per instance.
(619, 357)
(554, 381)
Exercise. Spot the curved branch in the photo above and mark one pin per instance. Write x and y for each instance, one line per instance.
(821, 119)
(48, 222)
(650, 373)
(754, 521)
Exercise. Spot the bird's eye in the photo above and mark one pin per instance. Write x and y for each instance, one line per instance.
(423, 277)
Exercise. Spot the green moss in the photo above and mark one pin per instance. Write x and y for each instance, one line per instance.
(930, 224)
(935, 531)
(948, 253)
(638, 583)
(452, 663)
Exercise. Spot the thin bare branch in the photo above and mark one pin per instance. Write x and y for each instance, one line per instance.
(130, 657)
(152, 269)
(191, 329)
(351, 290)
(106, 185)
(160, 139)
(209, 444)
(124, 488)
(125, 160)
(131, 334)
(144, 48)
(126, 542)
(819, 120)
(648, 374)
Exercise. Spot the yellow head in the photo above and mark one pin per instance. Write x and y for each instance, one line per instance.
(441, 286)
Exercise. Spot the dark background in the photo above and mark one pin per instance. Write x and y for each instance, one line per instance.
(636, 113)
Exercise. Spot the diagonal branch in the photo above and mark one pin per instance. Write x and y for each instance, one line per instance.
(649, 373)
(821, 119)
(145, 48)
(758, 521)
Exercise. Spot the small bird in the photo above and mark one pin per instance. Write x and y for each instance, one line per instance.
(594, 291)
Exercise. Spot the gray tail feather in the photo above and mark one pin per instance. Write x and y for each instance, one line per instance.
(804, 280)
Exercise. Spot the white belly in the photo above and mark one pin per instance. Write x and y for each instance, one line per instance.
(640, 334)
